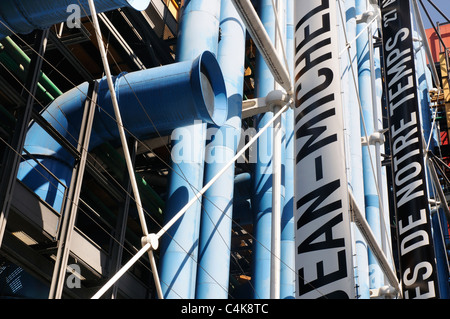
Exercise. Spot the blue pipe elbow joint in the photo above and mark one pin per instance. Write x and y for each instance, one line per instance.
(152, 102)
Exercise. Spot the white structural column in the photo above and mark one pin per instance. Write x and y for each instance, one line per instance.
(124, 142)
(320, 169)
(263, 43)
(276, 209)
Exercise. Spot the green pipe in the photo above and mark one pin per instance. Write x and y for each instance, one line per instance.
(16, 52)
(19, 71)
(21, 58)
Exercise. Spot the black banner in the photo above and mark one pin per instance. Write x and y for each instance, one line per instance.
(415, 242)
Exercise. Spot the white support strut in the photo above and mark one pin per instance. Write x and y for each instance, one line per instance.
(123, 140)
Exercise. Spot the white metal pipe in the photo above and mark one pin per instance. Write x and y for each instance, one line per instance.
(115, 104)
(123, 140)
(263, 43)
(155, 274)
(223, 170)
(122, 271)
(275, 257)
(379, 180)
(275, 265)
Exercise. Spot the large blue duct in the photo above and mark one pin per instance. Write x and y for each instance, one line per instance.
(24, 16)
(384, 189)
(216, 222)
(198, 31)
(149, 102)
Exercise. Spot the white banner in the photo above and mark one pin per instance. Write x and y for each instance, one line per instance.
(323, 239)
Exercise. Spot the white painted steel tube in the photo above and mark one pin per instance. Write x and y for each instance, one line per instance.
(320, 169)
(124, 142)
(263, 43)
(123, 138)
(275, 263)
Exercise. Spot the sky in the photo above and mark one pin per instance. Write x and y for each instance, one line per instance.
(443, 5)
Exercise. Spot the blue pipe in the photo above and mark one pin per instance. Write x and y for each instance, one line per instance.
(150, 103)
(262, 175)
(287, 276)
(198, 31)
(216, 222)
(24, 16)
(365, 93)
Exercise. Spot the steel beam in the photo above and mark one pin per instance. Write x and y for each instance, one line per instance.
(12, 156)
(64, 50)
(72, 200)
(121, 226)
(116, 34)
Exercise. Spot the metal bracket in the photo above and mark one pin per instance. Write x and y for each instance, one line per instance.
(151, 239)
(375, 137)
(264, 104)
(253, 107)
(365, 17)
(387, 292)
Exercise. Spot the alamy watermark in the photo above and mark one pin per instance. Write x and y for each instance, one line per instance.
(74, 18)
(190, 150)
(73, 280)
